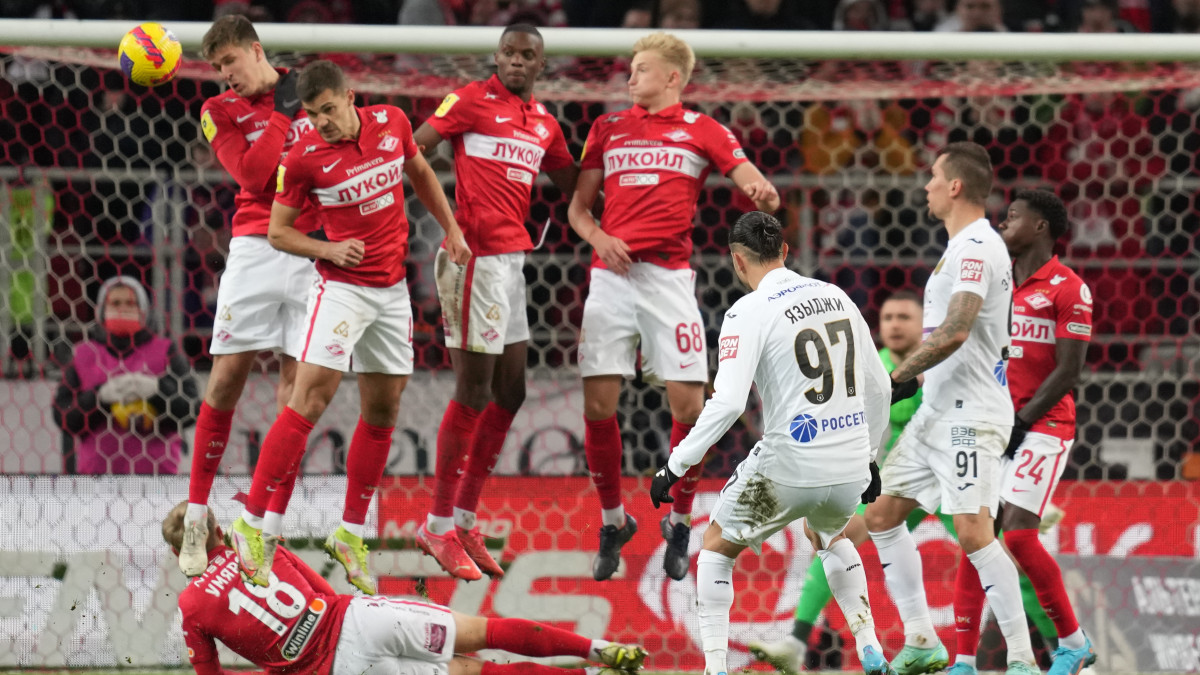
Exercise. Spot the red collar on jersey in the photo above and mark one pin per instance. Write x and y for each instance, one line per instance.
(1043, 271)
(495, 86)
(668, 112)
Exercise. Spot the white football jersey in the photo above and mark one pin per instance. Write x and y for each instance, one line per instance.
(971, 385)
(824, 390)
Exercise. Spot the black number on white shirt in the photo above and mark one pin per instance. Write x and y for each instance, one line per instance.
(822, 366)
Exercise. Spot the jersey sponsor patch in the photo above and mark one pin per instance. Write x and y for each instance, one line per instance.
(729, 347)
(520, 175)
(447, 104)
(279, 179)
(1085, 293)
(1031, 329)
(971, 270)
(1079, 329)
(739, 154)
(377, 204)
(638, 179)
(435, 637)
(303, 630)
(1038, 301)
(208, 126)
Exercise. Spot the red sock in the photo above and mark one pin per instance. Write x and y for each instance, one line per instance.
(1046, 577)
(281, 496)
(529, 638)
(490, 432)
(968, 606)
(364, 467)
(684, 491)
(212, 433)
(602, 447)
(490, 668)
(282, 450)
(453, 449)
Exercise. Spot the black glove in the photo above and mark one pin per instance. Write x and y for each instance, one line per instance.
(660, 489)
(1020, 428)
(906, 389)
(287, 101)
(874, 487)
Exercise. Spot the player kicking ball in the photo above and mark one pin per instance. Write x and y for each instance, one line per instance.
(502, 138)
(651, 161)
(825, 406)
(351, 165)
(949, 454)
(298, 624)
(1051, 328)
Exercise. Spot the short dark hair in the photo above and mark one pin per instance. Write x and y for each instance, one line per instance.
(231, 29)
(902, 295)
(526, 28)
(761, 234)
(319, 76)
(970, 163)
(1049, 207)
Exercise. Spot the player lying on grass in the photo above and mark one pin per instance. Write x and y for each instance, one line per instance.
(298, 624)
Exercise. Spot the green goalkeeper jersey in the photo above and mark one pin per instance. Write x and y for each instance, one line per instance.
(902, 411)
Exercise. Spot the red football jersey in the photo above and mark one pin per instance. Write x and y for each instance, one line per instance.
(291, 625)
(500, 144)
(357, 185)
(654, 167)
(251, 140)
(1052, 304)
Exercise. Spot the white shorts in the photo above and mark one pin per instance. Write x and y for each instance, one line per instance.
(954, 465)
(654, 304)
(1031, 476)
(261, 299)
(752, 507)
(387, 636)
(373, 324)
(483, 302)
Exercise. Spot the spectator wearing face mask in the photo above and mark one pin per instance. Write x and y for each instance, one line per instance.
(127, 391)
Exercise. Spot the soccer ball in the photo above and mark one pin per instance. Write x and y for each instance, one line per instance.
(150, 55)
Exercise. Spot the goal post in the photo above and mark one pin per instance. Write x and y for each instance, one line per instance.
(99, 177)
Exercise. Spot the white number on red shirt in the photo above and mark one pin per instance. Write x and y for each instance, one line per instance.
(278, 607)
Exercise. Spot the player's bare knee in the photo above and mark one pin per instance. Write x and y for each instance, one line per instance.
(464, 665)
(510, 396)
(1016, 518)
(598, 409)
(311, 402)
(883, 514)
(227, 380)
(470, 632)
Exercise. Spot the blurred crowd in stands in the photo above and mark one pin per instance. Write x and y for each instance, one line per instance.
(1159, 16)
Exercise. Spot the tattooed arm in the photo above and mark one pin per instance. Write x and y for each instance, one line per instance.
(945, 339)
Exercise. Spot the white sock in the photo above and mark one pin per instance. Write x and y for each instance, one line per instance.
(439, 525)
(196, 513)
(272, 523)
(848, 582)
(999, 578)
(714, 591)
(597, 647)
(252, 520)
(614, 517)
(906, 584)
(355, 529)
(677, 518)
(464, 519)
(1075, 640)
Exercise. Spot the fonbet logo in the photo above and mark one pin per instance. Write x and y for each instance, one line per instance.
(675, 602)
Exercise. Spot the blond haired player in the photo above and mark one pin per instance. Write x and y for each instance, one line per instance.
(298, 624)
(651, 161)
(260, 302)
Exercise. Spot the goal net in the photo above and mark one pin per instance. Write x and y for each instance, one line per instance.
(100, 177)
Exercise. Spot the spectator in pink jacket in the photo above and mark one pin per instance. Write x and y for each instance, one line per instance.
(127, 391)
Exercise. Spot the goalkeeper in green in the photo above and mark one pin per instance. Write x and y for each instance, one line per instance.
(900, 330)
